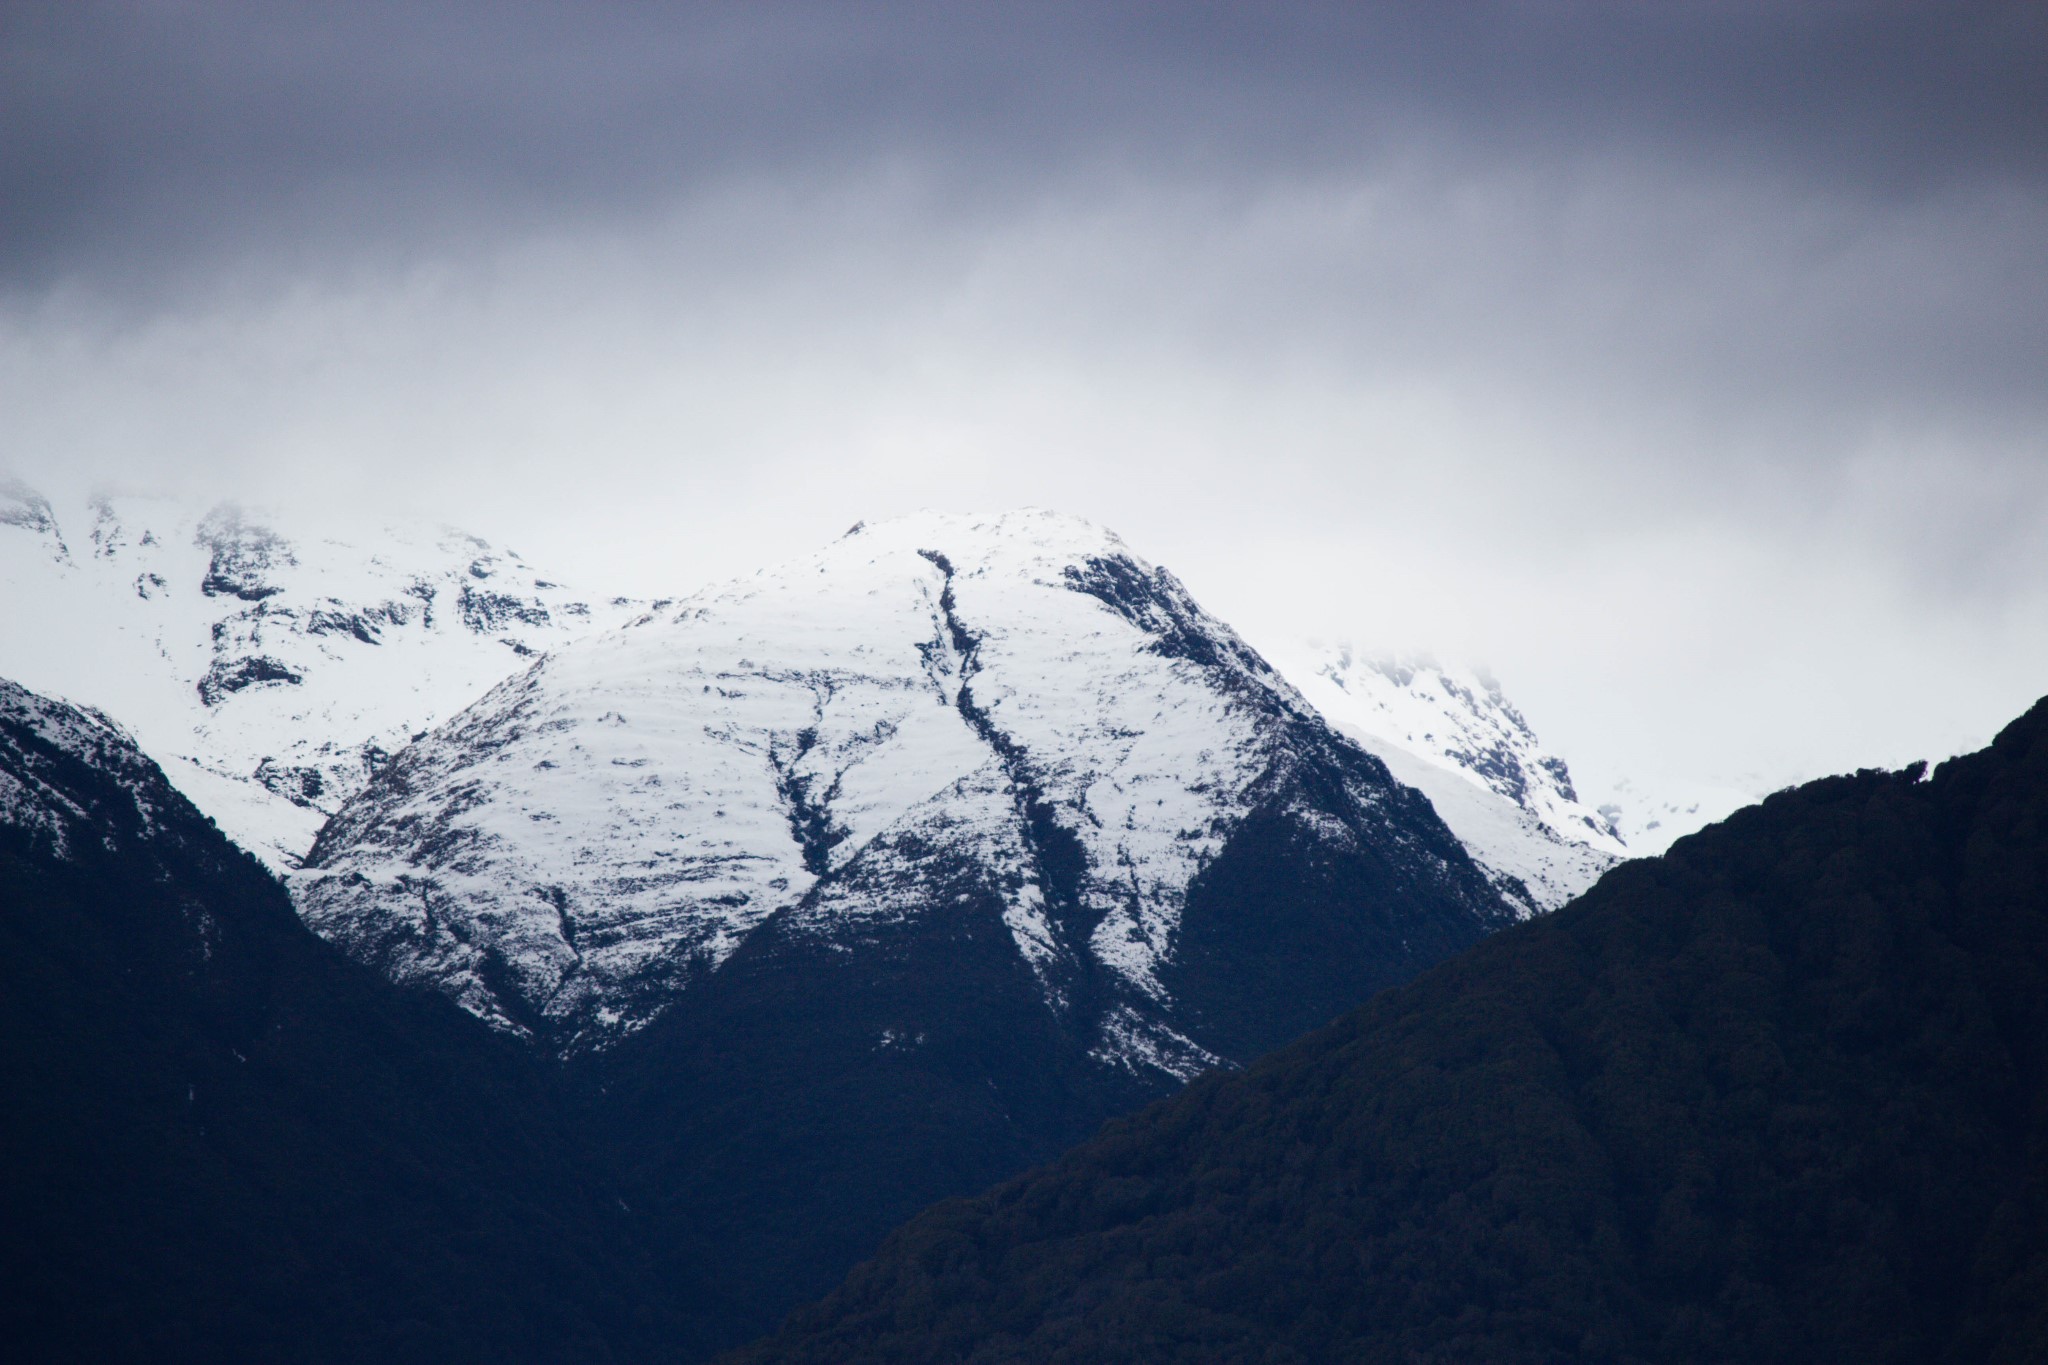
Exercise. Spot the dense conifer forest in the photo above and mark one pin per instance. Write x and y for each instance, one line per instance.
(222, 1141)
(1778, 1095)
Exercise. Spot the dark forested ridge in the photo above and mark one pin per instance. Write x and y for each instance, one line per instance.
(1778, 1095)
(221, 1141)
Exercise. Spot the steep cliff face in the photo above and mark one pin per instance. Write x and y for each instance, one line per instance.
(271, 669)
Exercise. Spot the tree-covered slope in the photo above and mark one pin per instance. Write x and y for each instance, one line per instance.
(221, 1141)
(1777, 1095)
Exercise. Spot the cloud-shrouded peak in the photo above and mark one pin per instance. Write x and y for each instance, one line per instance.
(798, 752)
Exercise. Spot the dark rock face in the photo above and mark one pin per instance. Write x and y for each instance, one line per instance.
(1154, 601)
(489, 612)
(1781, 1094)
(225, 677)
(301, 786)
(1300, 917)
(226, 1142)
(244, 555)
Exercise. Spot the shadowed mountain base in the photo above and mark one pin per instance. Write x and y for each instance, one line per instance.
(222, 1141)
(1778, 1095)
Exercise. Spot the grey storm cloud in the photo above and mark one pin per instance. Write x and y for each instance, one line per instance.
(1689, 361)
(1594, 171)
(140, 131)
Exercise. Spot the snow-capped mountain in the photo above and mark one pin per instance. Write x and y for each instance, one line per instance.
(71, 778)
(1449, 732)
(270, 670)
(1012, 710)
(861, 882)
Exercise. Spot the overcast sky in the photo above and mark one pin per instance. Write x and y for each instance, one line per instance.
(1687, 363)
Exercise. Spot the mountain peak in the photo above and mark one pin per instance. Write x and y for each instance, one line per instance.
(1016, 693)
(1451, 732)
(268, 666)
(1457, 717)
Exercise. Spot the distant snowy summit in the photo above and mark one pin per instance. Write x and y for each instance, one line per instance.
(939, 725)
(269, 669)
(1451, 733)
(793, 754)
(1429, 720)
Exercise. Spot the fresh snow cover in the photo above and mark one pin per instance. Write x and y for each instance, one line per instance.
(1450, 733)
(268, 669)
(608, 823)
(29, 801)
(613, 822)
(1427, 719)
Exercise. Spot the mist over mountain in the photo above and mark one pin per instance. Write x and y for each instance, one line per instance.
(1370, 938)
(863, 881)
(788, 909)
(779, 912)
(1450, 733)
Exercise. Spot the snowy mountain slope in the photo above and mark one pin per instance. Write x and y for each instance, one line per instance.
(44, 745)
(1533, 867)
(1456, 721)
(1450, 733)
(1017, 695)
(269, 670)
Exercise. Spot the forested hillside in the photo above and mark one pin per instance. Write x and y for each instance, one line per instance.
(223, 1141)
(1778, 1095)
